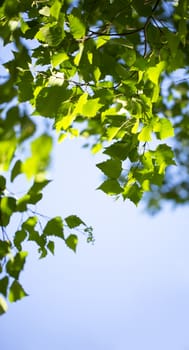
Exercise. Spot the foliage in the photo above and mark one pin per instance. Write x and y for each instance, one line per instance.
(113, 72)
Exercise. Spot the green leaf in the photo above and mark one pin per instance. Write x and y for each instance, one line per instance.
(91, 107)
(154, 72)
(45, 11)
(54, 227)
(49, 100)
(3, 306)
(77, 27)
(16, 170)
(110, 187)
(72, 242)
(129, 56)
(16, 292)
(102, 40)
(133, 192)
(2, 183)
(55, 9)
(30, 224)
(16, 264)
(111, 168)
(38, 186)
(51, 34)
(164, 128)
(59, 58)
(145, 134)
(51, 246)
(119, 150)
(164, 157)
(40, 156)
(5, 248)
(4, 282)
(19, 237)
(73, 221)
(8, 207)
(23, 202)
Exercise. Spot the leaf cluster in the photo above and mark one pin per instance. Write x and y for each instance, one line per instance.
(104, 71)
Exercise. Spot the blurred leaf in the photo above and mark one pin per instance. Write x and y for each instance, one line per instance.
(8, 207)
(16, 264)
(3, 306)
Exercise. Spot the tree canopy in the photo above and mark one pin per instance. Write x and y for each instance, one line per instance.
(114, 72)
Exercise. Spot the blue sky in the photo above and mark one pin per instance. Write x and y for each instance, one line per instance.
(127, 291)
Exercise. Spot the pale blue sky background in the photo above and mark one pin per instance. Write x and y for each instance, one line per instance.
(130, 291)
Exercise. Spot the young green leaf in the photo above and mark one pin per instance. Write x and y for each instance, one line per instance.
(72, 242)
(16, 292)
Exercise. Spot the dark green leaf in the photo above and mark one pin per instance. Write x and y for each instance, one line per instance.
(51, 246)
(73, 221)
(2, 183)
(5, 247)
(111, 168)
(54, 227)
(19, 237)
(111, 187)
(4, 285)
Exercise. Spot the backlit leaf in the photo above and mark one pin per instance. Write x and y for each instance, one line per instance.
(77, 27)
(72, 242)
(16, 292)
(3, 306)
